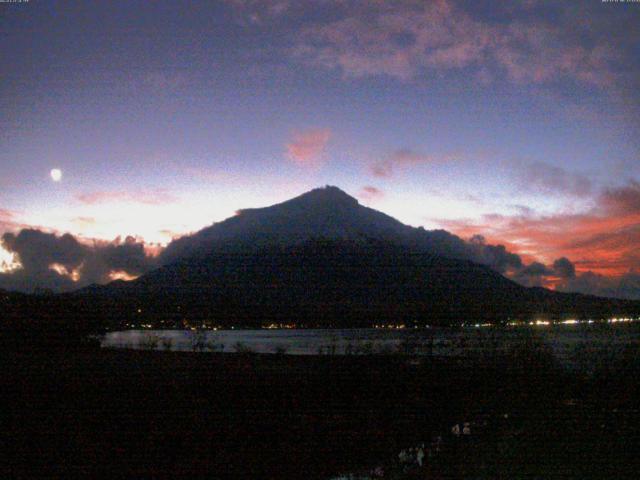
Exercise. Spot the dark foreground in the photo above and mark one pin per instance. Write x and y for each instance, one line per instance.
(108, 413)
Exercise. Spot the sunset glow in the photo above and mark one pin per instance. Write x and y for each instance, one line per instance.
(515, 122)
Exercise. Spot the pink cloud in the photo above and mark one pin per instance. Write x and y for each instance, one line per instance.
(405, 158)
(370, 194)
(9, 220)
(6, 215)
(151, 197)
(307, 147)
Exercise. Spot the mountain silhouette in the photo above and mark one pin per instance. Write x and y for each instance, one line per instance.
(321, 259)
(327, 213)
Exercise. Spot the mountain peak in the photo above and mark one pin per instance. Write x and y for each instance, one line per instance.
(328, 194)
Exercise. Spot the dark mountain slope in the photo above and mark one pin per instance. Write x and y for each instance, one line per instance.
(336, 283)
(320, 259)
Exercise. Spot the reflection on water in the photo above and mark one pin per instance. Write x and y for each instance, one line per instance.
(564, 341)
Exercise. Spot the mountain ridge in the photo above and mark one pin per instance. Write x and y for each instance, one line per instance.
(321, 259)
(326, 212)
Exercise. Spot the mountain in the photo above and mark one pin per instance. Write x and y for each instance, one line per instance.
(327, 213)
(321, 259)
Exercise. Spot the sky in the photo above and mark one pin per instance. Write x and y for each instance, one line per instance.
(517, 121)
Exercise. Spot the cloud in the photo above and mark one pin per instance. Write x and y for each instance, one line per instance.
(307, 147)
(64, 263)
(369, 193)
(564, 268)
(7, 219)
(537, 274)
(532, 275)
(624, 286)
(622, 200)
(10, 220)
(396, 42)
(495, 256)
(604, 238)
(127, 256)
(411, 39)
(406, 158)
(549, 179)
(6, 214)
(37, 250)
(602, 243)
(150, 197)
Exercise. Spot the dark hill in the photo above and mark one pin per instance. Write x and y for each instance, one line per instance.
(337, 283)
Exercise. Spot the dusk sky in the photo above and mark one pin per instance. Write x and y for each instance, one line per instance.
(517, 121)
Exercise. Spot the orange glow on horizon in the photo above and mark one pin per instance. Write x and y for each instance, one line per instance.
(8, 261)
(121, 275)
(601, 244)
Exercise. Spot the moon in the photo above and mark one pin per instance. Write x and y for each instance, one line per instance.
(56, 174)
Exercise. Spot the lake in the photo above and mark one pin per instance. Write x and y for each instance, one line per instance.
(573, 344)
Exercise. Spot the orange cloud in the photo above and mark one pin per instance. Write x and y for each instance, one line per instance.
(307, 147)
(605, 240)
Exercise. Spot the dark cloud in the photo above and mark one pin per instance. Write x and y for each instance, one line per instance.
(533, 275)
(536, 269)
(562, 275)
(564, 268)
(622, 200)
(625, 286)
(63, 263)
(495, 256)
(37, 250)
(127, 256)
(117, 256)
(545, 178)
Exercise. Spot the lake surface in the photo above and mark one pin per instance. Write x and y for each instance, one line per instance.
(572, 344)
